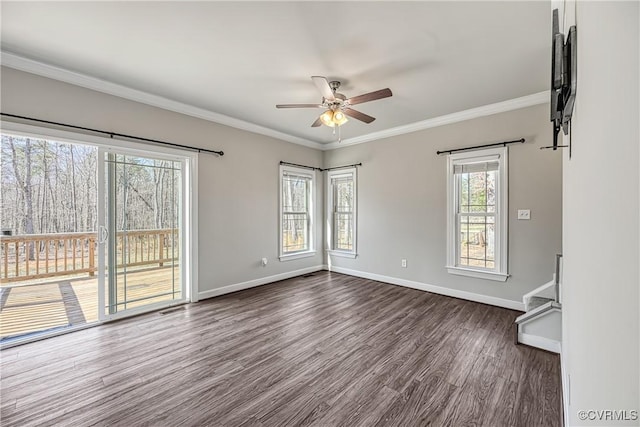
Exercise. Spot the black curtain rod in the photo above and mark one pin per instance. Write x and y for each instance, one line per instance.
(115, 134)
(504, 144)
(301, 166)
(319, 169)
(343, 167)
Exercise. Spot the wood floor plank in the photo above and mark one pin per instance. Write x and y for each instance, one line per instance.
(502, 405)
(325, 349)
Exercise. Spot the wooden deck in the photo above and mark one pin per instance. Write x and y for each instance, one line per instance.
(27, 308)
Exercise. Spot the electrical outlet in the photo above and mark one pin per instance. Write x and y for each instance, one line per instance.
(524, 214)
(404, 263)
(264, 262)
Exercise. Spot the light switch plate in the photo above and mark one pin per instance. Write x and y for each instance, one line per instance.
(524, 214)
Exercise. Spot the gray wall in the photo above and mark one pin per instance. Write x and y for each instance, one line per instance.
(601, 276)
(401, 188)
(402, 202)
(238, 193)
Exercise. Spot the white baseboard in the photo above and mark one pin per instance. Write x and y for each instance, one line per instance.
(539, 342)
(258, 282)
(499, 302)
(485, 299)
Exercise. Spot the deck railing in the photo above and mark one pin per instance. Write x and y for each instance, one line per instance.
(36, 256)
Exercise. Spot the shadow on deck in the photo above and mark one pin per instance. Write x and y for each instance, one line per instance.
(36, 308)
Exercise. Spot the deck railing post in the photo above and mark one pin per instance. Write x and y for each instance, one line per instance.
(92, 263)
(161, 247)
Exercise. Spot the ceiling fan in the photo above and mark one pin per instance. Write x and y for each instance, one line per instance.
(337, 105)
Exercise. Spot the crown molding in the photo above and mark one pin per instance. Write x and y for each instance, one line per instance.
(21, 63)
(17, 62)
(472, 113)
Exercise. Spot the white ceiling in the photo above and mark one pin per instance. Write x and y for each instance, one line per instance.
(241, 58)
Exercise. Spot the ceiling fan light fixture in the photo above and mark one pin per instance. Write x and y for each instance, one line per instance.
(333, 118)
(339, 118)
(327, 118)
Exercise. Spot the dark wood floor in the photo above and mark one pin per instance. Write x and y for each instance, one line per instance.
(323, 350)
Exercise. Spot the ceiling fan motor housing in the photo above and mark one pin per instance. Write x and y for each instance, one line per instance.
(338, 101)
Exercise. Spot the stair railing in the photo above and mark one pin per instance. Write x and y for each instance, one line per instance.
(557, 278)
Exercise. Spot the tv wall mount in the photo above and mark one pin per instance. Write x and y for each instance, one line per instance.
(564, 67)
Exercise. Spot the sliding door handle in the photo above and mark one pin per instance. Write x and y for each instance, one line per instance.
(103, 234)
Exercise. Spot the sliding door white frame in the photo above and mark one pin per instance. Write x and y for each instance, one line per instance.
(189, 160)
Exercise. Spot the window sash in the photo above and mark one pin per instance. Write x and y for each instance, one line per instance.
(476, 253)
(460, 168)
(296, 218)
(336, 206)
(342, 211)
(342, 216)
(287, 181)
(343, 243)
(480, 235)
(292, 242)
(488, 238)
(483, 237)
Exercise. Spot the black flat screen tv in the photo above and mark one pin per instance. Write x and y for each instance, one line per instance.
(563, 77)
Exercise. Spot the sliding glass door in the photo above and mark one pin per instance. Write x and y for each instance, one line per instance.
(140, 231)
(92, 229)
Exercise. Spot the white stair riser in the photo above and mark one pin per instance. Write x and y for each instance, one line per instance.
(539, 342)
(544, 331)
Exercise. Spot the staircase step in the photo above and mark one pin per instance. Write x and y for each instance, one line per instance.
(534, 302)
(541, 309)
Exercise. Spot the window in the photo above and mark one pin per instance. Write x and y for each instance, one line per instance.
(477, 214)
(296, 212)
(341, 201)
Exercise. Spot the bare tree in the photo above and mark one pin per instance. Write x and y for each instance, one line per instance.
(74, 199)
(158, 180)
(24, 183)
(50, 187)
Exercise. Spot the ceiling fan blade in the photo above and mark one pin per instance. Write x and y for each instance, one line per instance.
(371, 96)
(317, 123)
(358, 115)
(299, 106)
(323, 86)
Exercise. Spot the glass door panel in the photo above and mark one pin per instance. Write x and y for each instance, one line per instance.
(47, 237)
(142, 232)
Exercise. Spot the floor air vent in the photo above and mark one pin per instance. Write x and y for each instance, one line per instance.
(171, 310)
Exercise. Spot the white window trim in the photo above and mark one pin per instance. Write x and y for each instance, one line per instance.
(500, 273)
(329, 229)
(297, 255)
(342, 254)
(311, 251)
